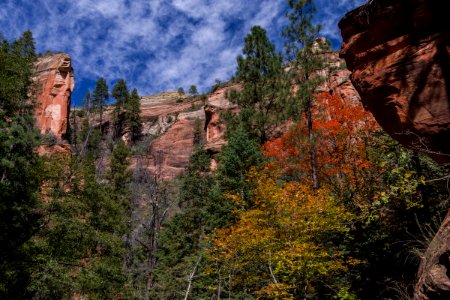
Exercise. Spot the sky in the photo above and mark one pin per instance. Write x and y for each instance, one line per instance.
(155, 45)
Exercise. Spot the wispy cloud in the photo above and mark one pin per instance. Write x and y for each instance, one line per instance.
(154, 44)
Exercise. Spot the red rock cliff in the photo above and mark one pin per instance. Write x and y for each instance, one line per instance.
(54, 77)
(399, 55)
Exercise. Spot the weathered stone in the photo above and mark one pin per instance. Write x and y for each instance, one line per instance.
(169, 154)
(54, 78)
(399, 55)
(214, 127)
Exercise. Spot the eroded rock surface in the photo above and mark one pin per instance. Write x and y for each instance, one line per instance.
(55, 82)
(214, 127)
(399, 55)
(172, 119)
(169, 154)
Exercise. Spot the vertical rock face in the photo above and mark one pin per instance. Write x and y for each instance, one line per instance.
(399, 55)
(171, 118)
(214, 127)
(55, 82)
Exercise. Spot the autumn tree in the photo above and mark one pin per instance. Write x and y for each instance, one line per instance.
(261, 73)
(282, 246)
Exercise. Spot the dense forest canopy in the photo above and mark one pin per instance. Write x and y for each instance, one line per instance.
(310, 199)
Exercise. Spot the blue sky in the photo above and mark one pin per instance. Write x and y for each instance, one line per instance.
(154, 45)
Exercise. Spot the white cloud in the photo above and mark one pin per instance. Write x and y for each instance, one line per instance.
(154, 44)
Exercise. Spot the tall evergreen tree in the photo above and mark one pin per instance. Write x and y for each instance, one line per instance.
(260, 70)
(305, 65)
(100, 97)
(133, 117)
(19, 165)
(235, 160)
(121, 94)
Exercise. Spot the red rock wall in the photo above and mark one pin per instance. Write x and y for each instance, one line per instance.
(55, 82)
(399, 55)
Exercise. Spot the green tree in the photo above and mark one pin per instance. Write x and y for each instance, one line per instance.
(87, 101)
(305, 64)
(121, 94)
(260, 70)
(80, 249)
(19, 166)
(183, 242)
(180, 91)
(132, 116)
(193, 90)
(119, 175)
(100, 97)
(235, 161)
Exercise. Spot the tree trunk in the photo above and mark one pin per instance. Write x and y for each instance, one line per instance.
(312, 147)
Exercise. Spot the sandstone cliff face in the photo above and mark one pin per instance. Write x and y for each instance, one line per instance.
(214, 128)
(399, 55)
(55, 82)
(172, 119)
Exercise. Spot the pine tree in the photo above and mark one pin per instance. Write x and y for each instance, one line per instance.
(193, 90)
(235, 160)
(182, 243)
(121, 94)
(100, 97)
(260, 70)
(132, 116)
(19, 165)
(304, 67)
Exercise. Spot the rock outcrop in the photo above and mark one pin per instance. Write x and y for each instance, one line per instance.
(399, 55)
(171, 119)
(55, 82)
(214, 127)
(169, 154)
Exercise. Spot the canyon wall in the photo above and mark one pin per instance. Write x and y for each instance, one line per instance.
(399, 56)
(55, 83)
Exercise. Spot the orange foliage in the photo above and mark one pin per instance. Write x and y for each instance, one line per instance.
(341, 130)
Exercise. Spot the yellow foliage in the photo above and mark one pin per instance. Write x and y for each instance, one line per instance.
(278, 244)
